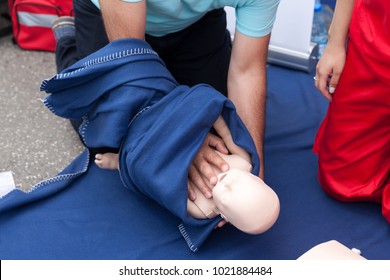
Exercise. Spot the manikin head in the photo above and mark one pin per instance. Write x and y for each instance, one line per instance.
(245, 201)
(242, 199)
(331, 250)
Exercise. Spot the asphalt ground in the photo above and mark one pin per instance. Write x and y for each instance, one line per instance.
(34, 143)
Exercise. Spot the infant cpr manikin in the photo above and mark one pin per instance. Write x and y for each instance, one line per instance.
(331, 250)
(239, 197)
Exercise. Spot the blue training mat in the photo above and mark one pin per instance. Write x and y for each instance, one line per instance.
(87, 213)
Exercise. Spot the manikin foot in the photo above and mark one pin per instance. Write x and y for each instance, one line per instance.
(107, 161)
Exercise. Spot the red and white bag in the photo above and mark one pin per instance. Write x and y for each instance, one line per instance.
(32, 21)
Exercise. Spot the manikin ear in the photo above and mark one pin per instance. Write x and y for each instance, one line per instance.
(223, 131)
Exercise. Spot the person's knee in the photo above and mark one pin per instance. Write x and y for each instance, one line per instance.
(331, 183)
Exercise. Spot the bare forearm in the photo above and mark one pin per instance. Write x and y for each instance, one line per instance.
(247, 87)
(123, 20)
(339, 27)
(250, 104)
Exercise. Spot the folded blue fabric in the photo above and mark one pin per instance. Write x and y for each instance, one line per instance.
(128, 99)
(107, 89)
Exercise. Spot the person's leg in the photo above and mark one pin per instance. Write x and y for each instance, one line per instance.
(199, 53)
(353, 143)
(88, 36)
(66, 53)
(386, 198)
(64, 33)
(90, 31)
(79, 36)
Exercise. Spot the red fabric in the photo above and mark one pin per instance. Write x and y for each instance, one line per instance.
(38, 35)
(353, 142)
(370, 30)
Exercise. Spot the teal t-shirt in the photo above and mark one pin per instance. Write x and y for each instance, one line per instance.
(254, 18)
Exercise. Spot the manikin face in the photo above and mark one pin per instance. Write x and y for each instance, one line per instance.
(246, 201)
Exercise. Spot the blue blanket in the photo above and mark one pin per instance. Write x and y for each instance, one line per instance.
(93, 216)
(128, 99)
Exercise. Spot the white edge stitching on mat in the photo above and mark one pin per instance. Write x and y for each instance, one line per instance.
(82, 128)
(54, 179)
(187, 238)
(107, 58)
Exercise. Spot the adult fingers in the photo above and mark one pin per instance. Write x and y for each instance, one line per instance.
(196, 178)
